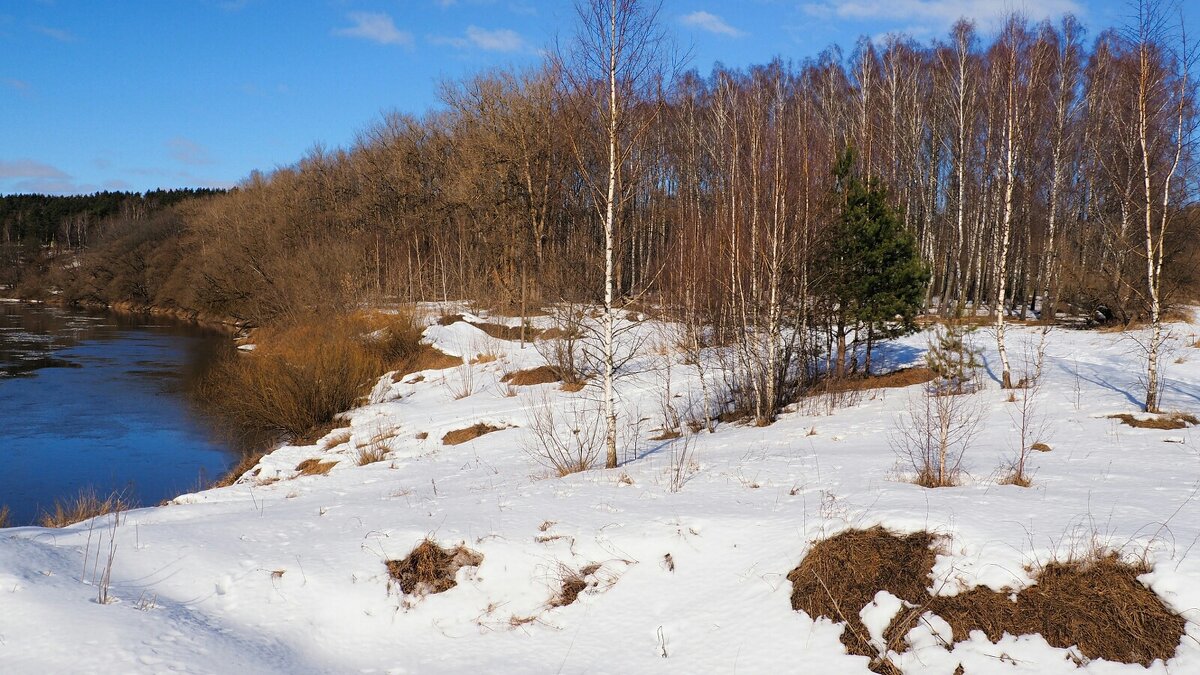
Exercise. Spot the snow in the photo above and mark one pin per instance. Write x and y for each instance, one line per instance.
(285, 573)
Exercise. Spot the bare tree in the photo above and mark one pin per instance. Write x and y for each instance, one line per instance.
(615, 55)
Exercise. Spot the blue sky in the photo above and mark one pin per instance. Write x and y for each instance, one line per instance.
(135, 95)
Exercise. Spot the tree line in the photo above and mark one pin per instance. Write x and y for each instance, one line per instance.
(1021, 174)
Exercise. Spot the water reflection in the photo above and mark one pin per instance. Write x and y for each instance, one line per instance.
(101, 400)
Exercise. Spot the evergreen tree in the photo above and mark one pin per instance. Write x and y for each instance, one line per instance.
(879, 279)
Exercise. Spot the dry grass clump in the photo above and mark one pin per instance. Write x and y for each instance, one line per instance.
(314, 467)
(4, 516)
(83, 506)
(429, 568)
(376, 449)
(1165, 421)
(1095, 604)
(248, 461)
(425, 357)
(1040, 447)
(574, 582)
(472, 432)
(336, 439)
(904, 377)
(842, 574)
(532, 376)
(300, 377)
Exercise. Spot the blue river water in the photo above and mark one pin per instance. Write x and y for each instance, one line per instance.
(101, 401)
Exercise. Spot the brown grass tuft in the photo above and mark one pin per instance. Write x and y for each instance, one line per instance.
(574, 582)
(429, 568)
(1040, 447)
(4, 516)
(472, 432)
(83, 506)
(337, 439)
(248, 461)
(904, 377)
(532, 376)
(1096, 604)
(426, 357)
(314, 467)
(1165, 421)
(572, 387)
(842, 574)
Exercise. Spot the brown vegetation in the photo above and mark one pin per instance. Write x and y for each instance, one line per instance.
(83, 506)
(314, 467)
(429, 568)
(4, 516)
(247, 462)
(532, 376)
(300, 377)
(904, 377)
(470, 433)
(1095, 604)
(1164, 421)
(574, 582)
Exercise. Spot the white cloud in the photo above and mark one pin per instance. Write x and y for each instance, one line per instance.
(711, 23)
(56, 33)
(187, 151)
(27, 168)
(940, 13)
(376, 27)
(19, 85)
(499, 40)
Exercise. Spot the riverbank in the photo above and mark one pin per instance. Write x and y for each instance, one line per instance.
(681, 556)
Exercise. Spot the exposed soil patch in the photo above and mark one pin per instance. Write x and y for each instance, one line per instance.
(905, 377)
(314, 467)
(1096, 605)
(539, 375)
(1165, 421)
(469, 434)
(429, 568)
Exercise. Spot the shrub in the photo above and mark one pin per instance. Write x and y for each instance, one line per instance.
(300, 377)
(81, 507)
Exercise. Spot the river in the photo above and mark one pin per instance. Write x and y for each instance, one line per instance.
(101, 401)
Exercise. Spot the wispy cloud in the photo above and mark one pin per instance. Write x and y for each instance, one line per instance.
(711, 23)
(499, 40)
(55, 33)
(186, 151)
(377, 27)
(938, 13)
(14, 83)
(28, 168)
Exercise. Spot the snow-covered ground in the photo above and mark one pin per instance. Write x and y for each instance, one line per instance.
(288, 575)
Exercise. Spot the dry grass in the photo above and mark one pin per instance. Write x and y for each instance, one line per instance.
(376, 449)
(429, 568)
(426, 357)
(459, 436)
(83, 506)
(1040, 447)
(905, 377)
(1096, 604)
(248, 461)
(532, 376)
(842, 574)
(314, 467)
(1165, 421)
(336, 439)
(4, 516)
(574, 582)
(301, 377)
(573, 387)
